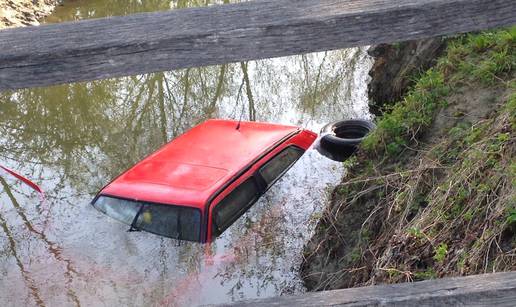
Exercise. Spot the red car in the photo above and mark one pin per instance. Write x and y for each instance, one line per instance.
(199, 184)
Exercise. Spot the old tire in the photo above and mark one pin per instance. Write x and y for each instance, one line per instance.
(341, 139)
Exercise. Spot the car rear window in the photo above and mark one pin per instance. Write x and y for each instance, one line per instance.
(176, 222)
(278, 165)
(235, 205)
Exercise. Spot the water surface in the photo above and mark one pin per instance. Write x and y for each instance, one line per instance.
(72, 139)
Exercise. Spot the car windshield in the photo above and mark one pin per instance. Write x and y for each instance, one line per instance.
(176, 222)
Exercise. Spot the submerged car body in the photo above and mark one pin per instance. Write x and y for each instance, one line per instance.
(200, 183)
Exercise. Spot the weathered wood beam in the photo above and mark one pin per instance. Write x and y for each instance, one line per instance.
(479, 290)
(150, 42)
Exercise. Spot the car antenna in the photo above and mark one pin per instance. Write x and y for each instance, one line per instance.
(240, 119)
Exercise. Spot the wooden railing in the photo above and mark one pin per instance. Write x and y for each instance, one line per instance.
(150, 42)
(480, 290)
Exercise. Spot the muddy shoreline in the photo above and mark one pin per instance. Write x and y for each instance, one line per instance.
(17, 13)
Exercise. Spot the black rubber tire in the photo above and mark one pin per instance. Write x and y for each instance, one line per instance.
(341, 139)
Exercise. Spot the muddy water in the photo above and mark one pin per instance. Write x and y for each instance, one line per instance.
(72, 139)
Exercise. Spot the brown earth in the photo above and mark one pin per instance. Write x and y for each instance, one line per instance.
(16, 13)
(398, 65)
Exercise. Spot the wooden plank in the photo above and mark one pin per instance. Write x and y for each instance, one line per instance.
(497, 289)
(150, 42)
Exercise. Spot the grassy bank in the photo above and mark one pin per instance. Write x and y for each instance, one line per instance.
(432, 191)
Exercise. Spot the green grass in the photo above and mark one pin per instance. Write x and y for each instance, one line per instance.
(440, 252)
(438, 204)
(511, 106)
(483, 57)
(406, 119)
(424, 275)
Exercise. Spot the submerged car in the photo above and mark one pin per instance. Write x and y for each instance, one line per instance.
(200, 183)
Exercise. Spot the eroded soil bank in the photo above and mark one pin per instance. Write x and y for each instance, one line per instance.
(16, 13)
(432, 191)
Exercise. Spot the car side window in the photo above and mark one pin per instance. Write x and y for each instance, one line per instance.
(278, 165)
(234, 205)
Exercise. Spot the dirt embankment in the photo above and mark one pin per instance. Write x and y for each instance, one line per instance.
(432, 192)
(16, 13)
(396, 68)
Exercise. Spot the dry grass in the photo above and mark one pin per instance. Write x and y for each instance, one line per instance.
(423, 200)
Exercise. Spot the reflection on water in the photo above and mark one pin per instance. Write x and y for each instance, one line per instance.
(82, 9)
(73, 139)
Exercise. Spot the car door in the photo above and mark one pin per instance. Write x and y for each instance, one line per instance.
(238, 201)
(234, 205)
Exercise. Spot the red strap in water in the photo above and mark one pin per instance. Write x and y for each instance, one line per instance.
(25, 180)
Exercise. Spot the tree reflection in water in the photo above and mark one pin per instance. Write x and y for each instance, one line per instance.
(72, 139)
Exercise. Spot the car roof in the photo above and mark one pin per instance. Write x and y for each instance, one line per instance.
(193, 166)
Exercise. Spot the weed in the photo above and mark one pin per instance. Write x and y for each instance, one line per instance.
(355, 255)
(393, 273)
(468, 216)
(511, 216)
(406, 119)
(415, 232)
(462, 261)
(440, 252)
(428, 274)
(343, 190)
(351, 162)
